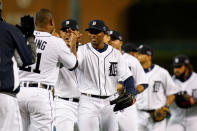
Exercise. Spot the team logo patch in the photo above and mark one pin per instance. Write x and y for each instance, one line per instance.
(67, 22)
(156, 86)
(94, 23)
(176, 60)
(141, 46)
(113, 69)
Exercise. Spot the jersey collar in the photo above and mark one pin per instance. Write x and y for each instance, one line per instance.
(149, 69)
(42, 34)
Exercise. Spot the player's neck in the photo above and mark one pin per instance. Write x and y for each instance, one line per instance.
(147, 64)
(99, 46)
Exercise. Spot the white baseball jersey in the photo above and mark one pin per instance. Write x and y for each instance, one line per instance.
(66, 85)
(50, 50)
(181, 115)
(160, 85)
(99, 73)
(136, 69)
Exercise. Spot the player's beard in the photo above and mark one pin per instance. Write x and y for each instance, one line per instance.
(181, 76)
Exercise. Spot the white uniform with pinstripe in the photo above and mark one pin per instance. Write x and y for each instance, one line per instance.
(35, 97)
(66, 101)
(127, 119)
(98, 76)
(184, 119)
(160, 86)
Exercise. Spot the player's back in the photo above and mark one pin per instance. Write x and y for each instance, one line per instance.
(50, 50)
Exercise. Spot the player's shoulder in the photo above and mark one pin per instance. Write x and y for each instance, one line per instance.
(8, 27)
(48, 37)
(114, 51)
(161, 69)
(83, 47)
(194, 74)
(130, 57)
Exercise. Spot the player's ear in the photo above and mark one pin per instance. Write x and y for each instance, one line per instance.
(52, 22)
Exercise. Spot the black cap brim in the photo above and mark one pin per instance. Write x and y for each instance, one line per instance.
(67, 27)
(93, 28)
(177, 65)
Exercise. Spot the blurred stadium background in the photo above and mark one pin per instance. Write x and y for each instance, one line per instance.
(168, 26)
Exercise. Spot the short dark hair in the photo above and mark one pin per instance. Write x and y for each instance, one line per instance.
(43, 17)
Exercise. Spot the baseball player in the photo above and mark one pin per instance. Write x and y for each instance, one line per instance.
(100, 69)
(127, 119)
(153, 103)
(184, 115)
(11, 38)
(66, 91)
(37, 80)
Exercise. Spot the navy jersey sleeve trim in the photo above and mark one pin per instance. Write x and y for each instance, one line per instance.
(145, 86)
(76, 65)
(129, 86)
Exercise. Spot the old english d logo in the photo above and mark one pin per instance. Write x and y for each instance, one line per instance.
(113, 69)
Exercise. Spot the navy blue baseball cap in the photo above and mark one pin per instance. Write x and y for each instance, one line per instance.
(180, 60)
(129, 47)
(144, 49)
(69, 23)
(97, 25)
(115, 35)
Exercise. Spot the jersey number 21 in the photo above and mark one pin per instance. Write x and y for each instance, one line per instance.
(28, 68)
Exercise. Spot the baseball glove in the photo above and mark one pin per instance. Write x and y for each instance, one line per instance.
(183, 100)
(161, 113)
(123, 101)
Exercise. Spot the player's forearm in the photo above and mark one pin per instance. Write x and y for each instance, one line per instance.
(140, 88)
(170, 99)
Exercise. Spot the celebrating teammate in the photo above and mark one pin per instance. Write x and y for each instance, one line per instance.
(37, 80)
(99, 70)
(127, 119)
(153, 104)
(66, 91)
(184, 109)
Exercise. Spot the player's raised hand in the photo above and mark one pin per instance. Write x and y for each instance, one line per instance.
(74, 36)
(54, 33)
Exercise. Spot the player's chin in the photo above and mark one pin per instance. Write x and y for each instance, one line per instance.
(177, 74)
(94, 42)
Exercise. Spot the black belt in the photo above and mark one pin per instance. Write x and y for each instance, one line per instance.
(149, 111)
(96, 96)
(70, 99)
(44, 86)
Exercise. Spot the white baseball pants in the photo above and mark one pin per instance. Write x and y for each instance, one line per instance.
(36, 108)
(10, 119)
(66, 115)
(96, 114)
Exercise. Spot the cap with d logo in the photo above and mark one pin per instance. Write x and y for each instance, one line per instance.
(180, 60)
(97, 25)
(70, 23)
